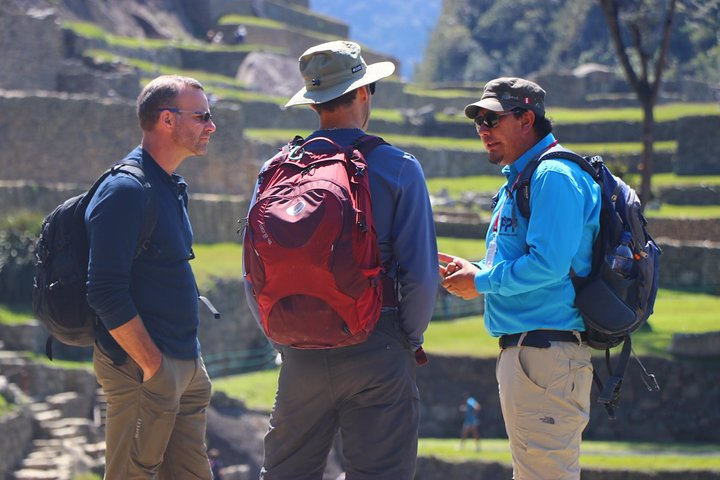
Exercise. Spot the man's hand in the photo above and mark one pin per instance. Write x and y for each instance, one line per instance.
(135, 340)
(458, 276)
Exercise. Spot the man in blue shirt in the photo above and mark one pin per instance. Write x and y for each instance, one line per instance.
(147, 354)
(367, 391)
(544, 372)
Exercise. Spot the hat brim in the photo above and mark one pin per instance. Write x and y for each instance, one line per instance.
(493, 104)
(373, 73)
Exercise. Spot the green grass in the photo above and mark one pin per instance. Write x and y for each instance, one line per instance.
(675, 312)
(456, 186)
(64, 364)
(87, 476)
(224, 260)
(662, 113)
(440, 93)
(155, 68)
(250, 21)
(10, 315)
(5, 406)
(646, 457)
(256, 389)
(491, 183)
(217, 260)
(684, 211)
(464, 144)
(472, 249)
(465, 337)
(89, 30)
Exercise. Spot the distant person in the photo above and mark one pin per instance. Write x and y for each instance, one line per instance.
(239, 34)
(544, 372)
(147, 355)
(471, 422)
(366, 390)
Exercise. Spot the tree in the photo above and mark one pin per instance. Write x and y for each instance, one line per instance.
(640, 32)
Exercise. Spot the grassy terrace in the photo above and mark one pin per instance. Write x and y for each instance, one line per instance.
(272, 24)
(645, 457)
(663, 113)
(675, 311)
(257, 390)
(280, 136)
(90, 30)
(489, 184)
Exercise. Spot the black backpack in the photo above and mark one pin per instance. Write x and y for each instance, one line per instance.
(612, 306)
(59, 292)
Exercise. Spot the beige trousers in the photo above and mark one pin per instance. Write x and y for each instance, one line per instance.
(156, 429)
(545, 401)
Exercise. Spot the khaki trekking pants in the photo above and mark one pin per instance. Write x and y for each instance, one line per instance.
(545, 401)
(155, 429)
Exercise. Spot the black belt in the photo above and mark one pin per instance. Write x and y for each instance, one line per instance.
(539, 338)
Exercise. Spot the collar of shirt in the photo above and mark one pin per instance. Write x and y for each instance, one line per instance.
(511, 171)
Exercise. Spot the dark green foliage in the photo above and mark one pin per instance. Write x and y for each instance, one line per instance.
(476, 40)
(18, 235)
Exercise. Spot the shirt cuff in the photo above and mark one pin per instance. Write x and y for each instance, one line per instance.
(482, 281)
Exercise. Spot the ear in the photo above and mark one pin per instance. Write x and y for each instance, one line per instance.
(363, 93)
(527, 120)
(166, 119)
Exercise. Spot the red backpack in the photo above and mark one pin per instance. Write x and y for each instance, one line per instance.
(310, 247)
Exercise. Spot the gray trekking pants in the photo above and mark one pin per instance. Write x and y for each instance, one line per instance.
(366, 391)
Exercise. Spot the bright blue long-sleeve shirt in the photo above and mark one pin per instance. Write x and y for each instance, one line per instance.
(159, 285)
(528, 285)
(405, 229)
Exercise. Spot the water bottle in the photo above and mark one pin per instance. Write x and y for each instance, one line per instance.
(621, 260)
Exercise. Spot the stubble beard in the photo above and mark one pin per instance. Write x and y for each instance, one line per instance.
(494, 159)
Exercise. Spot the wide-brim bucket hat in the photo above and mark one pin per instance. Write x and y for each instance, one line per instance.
(332, 69)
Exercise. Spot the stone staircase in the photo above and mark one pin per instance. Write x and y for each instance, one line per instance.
(64, 444)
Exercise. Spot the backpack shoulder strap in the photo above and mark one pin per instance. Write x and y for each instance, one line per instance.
(590, 165)
(152, 211)
(367, 143)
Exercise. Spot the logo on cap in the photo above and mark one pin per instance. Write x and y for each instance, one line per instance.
(315, 82)
(357, 68)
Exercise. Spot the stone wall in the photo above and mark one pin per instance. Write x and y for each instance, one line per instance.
(691, 195)
(698, 229)
(32, 51)
(17, 430)
(38, 380)
(50, 137)
(698, 149)
(685, 410)
(690, 265)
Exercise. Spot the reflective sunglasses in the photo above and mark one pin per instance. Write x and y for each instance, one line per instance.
(371, 87)
(491, 119)
(205, 117)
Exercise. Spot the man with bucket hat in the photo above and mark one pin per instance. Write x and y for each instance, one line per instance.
(544, 372)
(366, 391)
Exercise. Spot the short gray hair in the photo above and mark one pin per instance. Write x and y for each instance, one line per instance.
(161, 92)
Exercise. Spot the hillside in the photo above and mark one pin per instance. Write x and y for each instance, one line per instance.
(400, 28)
(475, 40)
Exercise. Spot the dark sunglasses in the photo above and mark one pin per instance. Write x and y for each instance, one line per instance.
(491, 119)
(205, 117)
(371, 87)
